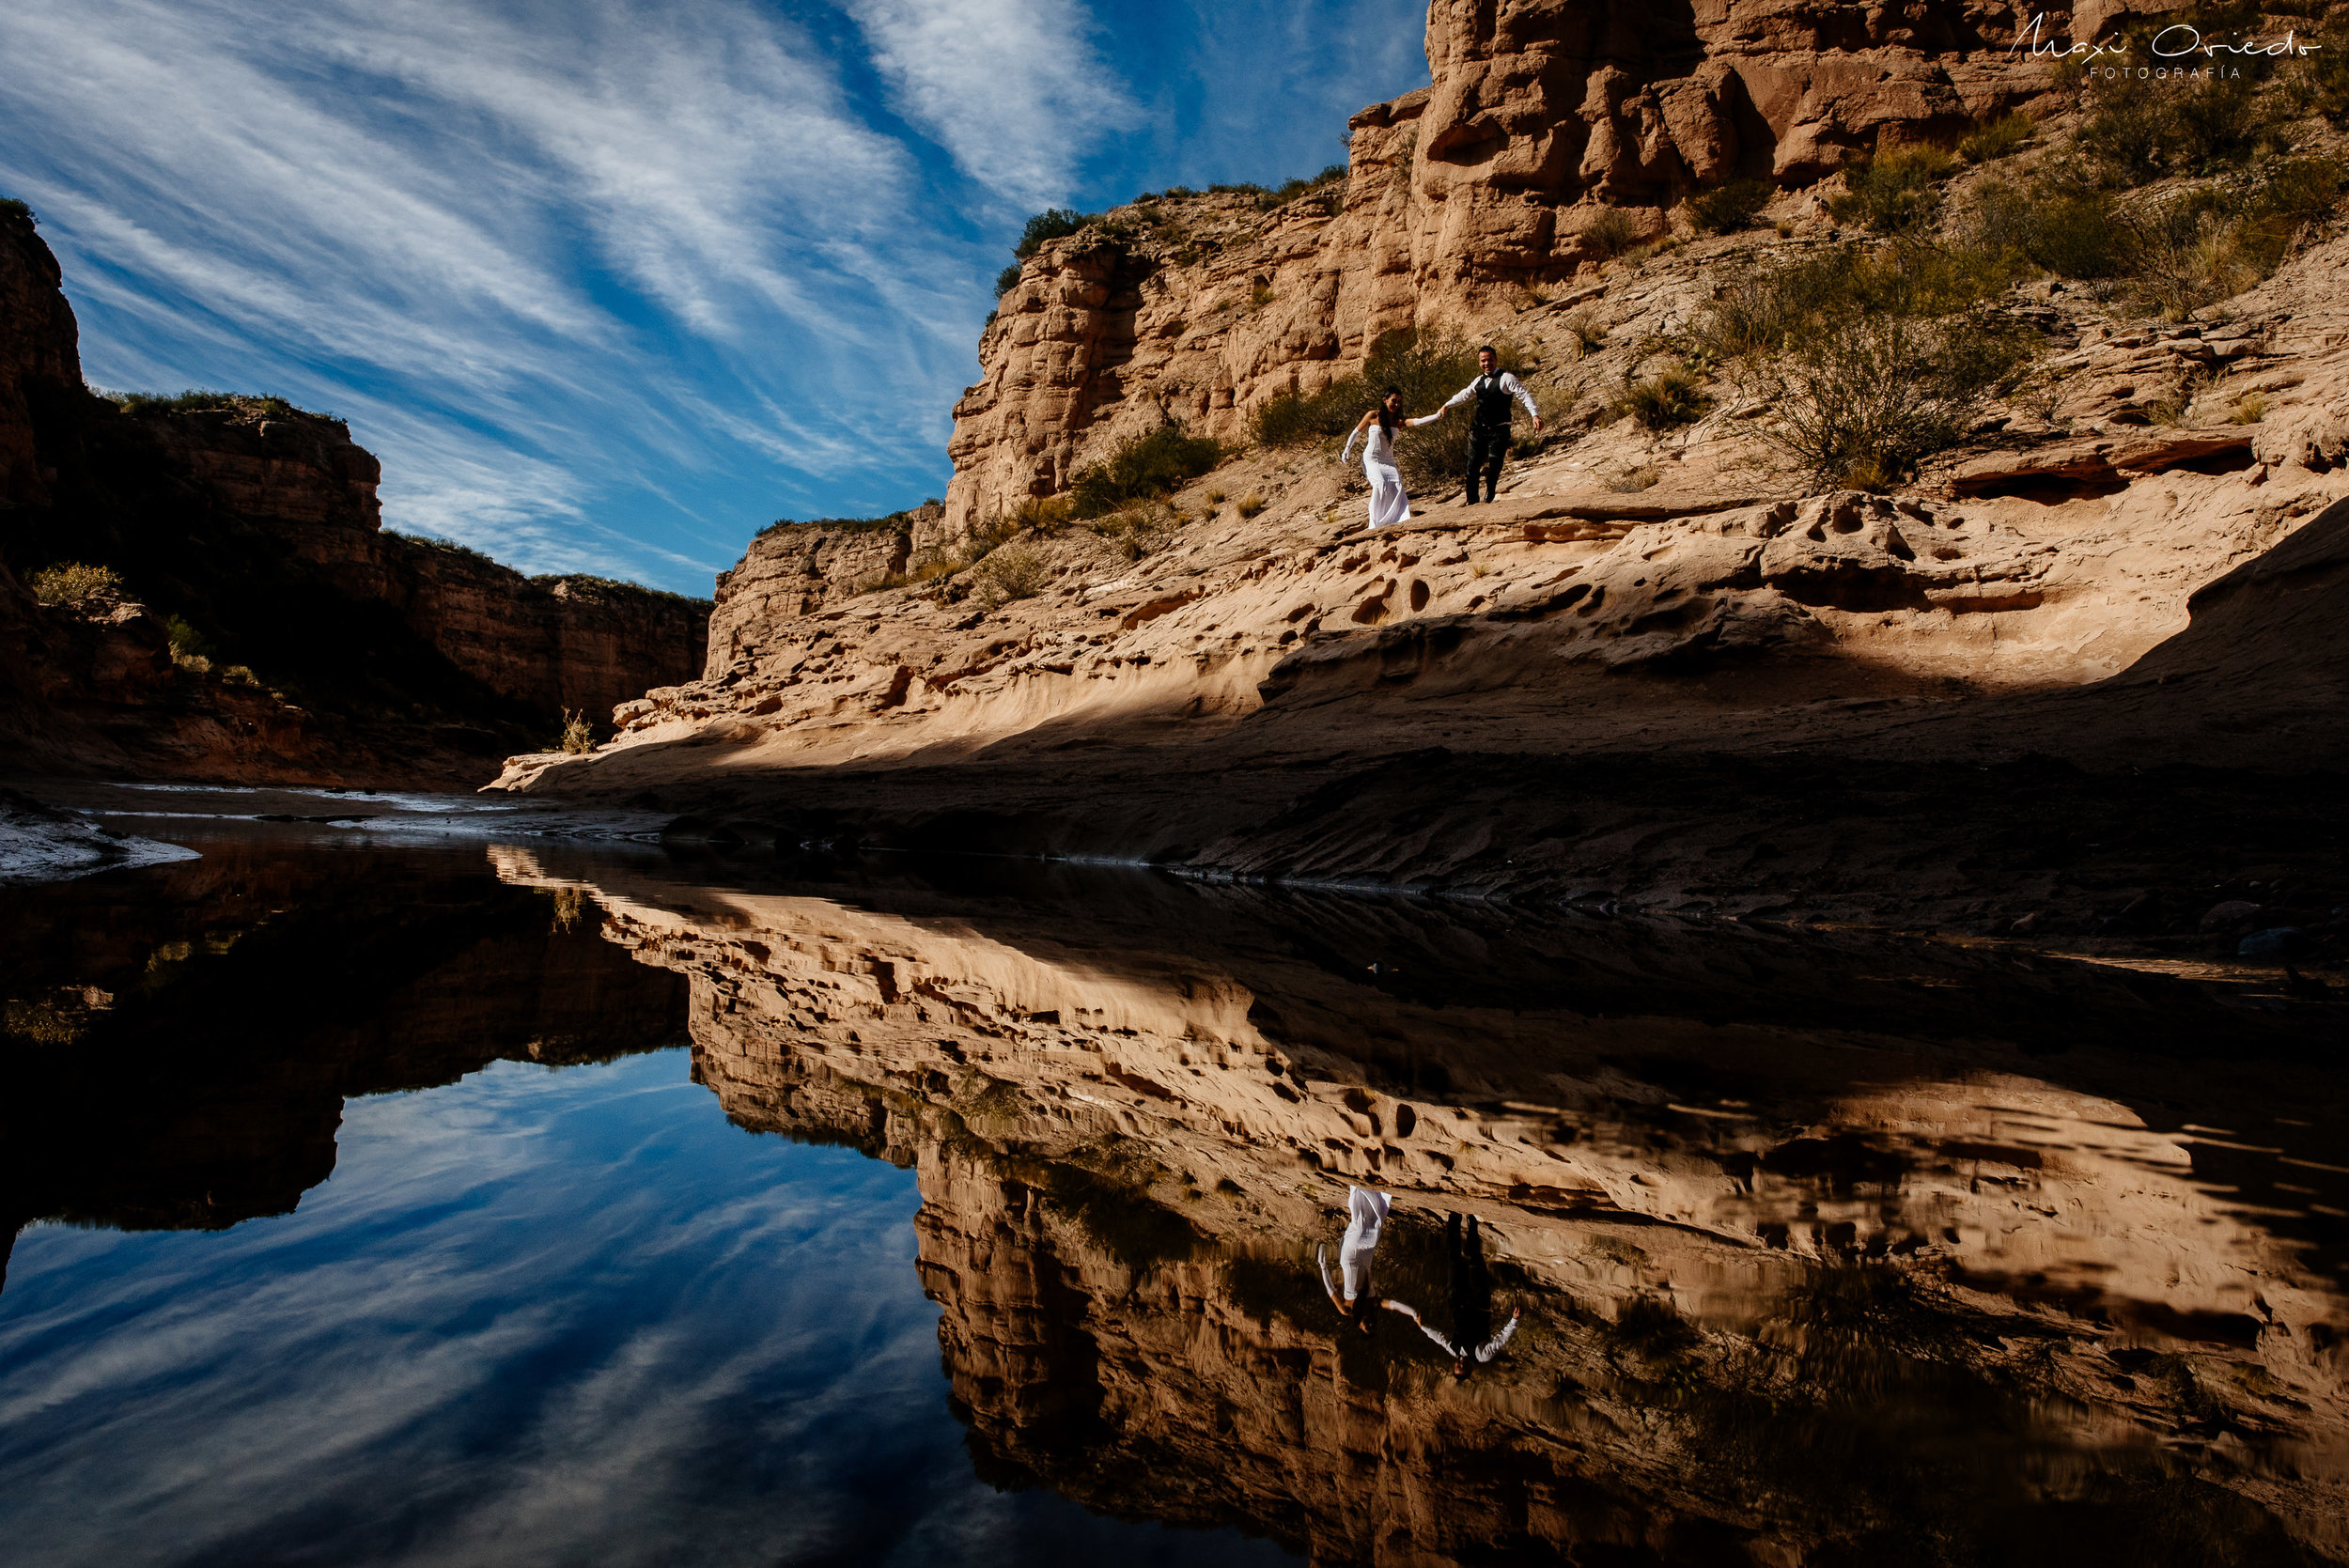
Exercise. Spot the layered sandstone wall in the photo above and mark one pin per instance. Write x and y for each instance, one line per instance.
(1541, 117)
(558, 643)
(795, 569)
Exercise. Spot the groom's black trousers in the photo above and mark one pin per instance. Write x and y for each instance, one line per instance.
(1488, 445)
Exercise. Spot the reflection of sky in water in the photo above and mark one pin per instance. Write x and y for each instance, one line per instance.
(533, 1317)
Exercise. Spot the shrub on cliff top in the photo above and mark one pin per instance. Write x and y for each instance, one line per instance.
(71, 582)
(1054, 223)
(196, 400)
(11, 207)
(1007, 280)
(615, 586)
(1143, 468)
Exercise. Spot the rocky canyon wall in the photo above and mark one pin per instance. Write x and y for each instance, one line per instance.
(1542, 119)
(258, 526)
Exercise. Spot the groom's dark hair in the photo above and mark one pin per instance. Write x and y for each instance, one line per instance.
(1488, 349)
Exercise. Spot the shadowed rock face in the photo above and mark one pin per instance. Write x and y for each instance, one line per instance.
(259, 526)
(1823, 1247)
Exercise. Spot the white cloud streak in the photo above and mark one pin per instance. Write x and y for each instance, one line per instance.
(545, 259)
(1015, 89)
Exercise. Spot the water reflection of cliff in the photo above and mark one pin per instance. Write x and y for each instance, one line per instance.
(180, 1042)
(1829, 1252)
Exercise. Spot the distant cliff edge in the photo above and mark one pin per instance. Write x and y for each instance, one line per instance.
(239, 612)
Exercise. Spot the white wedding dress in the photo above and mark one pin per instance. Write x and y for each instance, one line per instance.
(1387, 504)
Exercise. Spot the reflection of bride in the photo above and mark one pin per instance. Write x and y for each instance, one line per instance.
(1365, 1212)
(1387, 504)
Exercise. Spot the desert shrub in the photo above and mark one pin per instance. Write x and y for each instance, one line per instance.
(2221, 122)
(2135, 137)
(1425, 369)
(1731, 206)
(1260, 296)
(1611, 233)
(2249, 409)
(1139, 531)
(1993, 139)
(1249, 506)
(1044, 514)
(1009, 279)
(1015, 571)
(2186, 253)
(2320, 83)
(1054, 223)
(71, 582)
(1294, 418)
(1764, 309)
(1895, 191)
(11, 207)
(1434, 456)
(576, 739)
(1590, 332)
(1863, 403)
(1672, 396)
(186, 641)
(1143, 468)
(2068, 229)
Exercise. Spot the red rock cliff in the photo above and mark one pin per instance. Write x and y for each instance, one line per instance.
(1541, 117)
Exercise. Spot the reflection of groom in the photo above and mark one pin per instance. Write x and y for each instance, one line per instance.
(1493, 391)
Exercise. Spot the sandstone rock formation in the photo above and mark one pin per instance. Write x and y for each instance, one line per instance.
(1752, 1201)
(1550, 697)
(1543, 118)
(259, 524)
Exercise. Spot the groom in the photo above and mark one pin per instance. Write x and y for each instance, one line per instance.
(1493, 391)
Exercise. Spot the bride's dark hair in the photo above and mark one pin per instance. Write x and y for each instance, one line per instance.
(1386, 419)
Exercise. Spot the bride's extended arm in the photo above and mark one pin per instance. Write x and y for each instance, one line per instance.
(1347, 456)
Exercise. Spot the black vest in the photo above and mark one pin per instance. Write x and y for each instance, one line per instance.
(1494, 406)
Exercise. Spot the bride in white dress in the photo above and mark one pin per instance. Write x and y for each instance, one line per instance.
(1387, 504)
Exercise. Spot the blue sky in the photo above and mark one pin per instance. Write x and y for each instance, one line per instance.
(610, 285)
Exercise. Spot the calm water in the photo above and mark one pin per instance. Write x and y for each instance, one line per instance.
(400, 1199)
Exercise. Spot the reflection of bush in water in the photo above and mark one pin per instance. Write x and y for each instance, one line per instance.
(1117, 1214)
(1649, 1326)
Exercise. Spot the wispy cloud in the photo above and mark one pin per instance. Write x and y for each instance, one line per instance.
(622, 257)
(608, 283)
(534, 1318)
(1015, 89)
